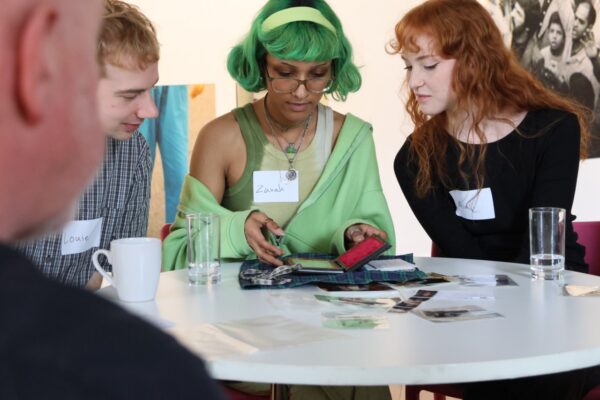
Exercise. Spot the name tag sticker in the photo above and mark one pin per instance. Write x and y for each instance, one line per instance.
(474, 204)
(275, 187)
(79, 236)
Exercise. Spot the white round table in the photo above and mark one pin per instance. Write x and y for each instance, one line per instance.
(542, 331)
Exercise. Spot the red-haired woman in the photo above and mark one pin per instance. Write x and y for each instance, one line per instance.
(489, 143)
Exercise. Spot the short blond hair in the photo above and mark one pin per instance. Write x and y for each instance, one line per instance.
(127, 37)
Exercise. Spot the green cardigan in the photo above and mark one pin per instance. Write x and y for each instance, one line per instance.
(348, 192)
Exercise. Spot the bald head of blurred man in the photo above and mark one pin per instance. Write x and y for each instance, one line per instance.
(50, 138)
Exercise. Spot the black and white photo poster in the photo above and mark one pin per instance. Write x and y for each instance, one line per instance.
(559, 42)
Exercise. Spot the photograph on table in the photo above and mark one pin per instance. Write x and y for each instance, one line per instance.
(459, 313)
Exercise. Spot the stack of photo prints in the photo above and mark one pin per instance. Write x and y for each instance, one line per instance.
(383, 296)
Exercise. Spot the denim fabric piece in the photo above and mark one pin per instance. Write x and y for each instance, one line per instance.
(348, 278)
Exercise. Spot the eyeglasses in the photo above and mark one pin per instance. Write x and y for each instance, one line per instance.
(290, 85)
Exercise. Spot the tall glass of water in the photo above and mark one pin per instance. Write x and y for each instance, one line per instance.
(547, 242)
(204, 248)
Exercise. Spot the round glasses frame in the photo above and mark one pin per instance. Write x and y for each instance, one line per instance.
(290, 85)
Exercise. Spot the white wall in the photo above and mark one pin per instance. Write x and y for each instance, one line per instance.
(587, 197)
(196, 36)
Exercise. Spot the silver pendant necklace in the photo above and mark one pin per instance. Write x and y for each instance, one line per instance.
(290, 151)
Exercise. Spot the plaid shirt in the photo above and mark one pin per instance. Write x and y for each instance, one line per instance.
(120, 195)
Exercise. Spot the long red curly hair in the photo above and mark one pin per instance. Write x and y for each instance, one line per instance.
(487, 80)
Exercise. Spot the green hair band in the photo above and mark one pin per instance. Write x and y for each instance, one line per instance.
(295, 14)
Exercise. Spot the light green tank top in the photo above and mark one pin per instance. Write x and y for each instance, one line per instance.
(261, 155)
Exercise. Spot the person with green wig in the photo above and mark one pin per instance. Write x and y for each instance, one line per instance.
(287, 174)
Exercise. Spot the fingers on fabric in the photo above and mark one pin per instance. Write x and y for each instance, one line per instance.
(253, 229)
(266, 252)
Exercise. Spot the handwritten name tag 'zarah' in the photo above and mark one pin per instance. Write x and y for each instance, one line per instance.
(275, 187)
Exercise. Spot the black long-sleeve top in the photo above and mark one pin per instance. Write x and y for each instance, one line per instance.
(534, 166)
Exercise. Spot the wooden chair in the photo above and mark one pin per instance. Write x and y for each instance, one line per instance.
(439, 391)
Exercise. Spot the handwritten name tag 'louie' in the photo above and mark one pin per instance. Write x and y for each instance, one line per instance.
(79, 236)
(474, 204)
(275, 187)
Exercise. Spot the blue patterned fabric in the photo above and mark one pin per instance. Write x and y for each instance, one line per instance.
(348, 278)
(170, 132)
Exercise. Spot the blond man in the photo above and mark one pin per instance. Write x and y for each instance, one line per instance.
(116, 204)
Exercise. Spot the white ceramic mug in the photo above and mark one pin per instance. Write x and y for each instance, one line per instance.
(135, 267)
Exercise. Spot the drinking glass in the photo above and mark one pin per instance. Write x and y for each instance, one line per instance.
(204, 248)
(547, 242)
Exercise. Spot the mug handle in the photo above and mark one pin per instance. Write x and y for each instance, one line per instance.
(99, 268)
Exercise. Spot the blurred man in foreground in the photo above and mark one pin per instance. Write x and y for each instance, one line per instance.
(59, 342)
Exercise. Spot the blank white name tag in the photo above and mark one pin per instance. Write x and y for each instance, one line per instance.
(79, 236)
(275, 187)
(474, 204)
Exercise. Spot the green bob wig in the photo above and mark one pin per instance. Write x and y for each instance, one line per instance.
(311, 39)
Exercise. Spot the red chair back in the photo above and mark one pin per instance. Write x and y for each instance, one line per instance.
(164, 231)
(593, 394)
(232, 394)
(588, 235)
(435, 250)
